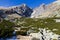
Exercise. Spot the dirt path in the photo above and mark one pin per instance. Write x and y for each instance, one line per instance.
(19, 37)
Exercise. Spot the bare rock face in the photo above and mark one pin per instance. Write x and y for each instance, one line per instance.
(38, 11)
(16, 11)
(49, 10)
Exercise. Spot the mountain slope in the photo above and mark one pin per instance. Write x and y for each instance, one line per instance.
(44, 11)
(21, 10)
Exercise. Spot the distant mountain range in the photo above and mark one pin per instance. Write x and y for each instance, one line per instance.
(43, 11)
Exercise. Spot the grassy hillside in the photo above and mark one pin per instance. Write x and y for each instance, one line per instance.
(36, 23)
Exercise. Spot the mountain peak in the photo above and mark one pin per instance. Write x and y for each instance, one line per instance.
(43, 4)
(22, 10)
(47, 10)
(24, 5)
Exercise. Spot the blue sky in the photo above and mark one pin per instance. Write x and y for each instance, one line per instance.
(30, 3)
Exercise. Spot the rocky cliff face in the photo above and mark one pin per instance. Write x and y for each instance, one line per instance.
(44, 11)
(15, 11)
(38, 11)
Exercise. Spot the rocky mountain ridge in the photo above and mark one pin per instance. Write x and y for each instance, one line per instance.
(15, 11)
(49, 10)
(43, 11)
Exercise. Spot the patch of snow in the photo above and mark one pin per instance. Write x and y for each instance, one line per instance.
(57, 20)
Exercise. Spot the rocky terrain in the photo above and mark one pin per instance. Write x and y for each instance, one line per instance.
(50, 10)
(15, 11)
(26, 23)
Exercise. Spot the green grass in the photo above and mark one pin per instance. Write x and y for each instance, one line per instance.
(49, 23)
(6, 28)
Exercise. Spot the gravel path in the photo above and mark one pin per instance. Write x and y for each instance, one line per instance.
(19, 37)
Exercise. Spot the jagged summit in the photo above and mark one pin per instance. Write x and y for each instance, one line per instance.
(38, 11)
(19, 10)
(22, 5)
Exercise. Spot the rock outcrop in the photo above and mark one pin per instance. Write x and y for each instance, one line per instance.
(15, 11)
